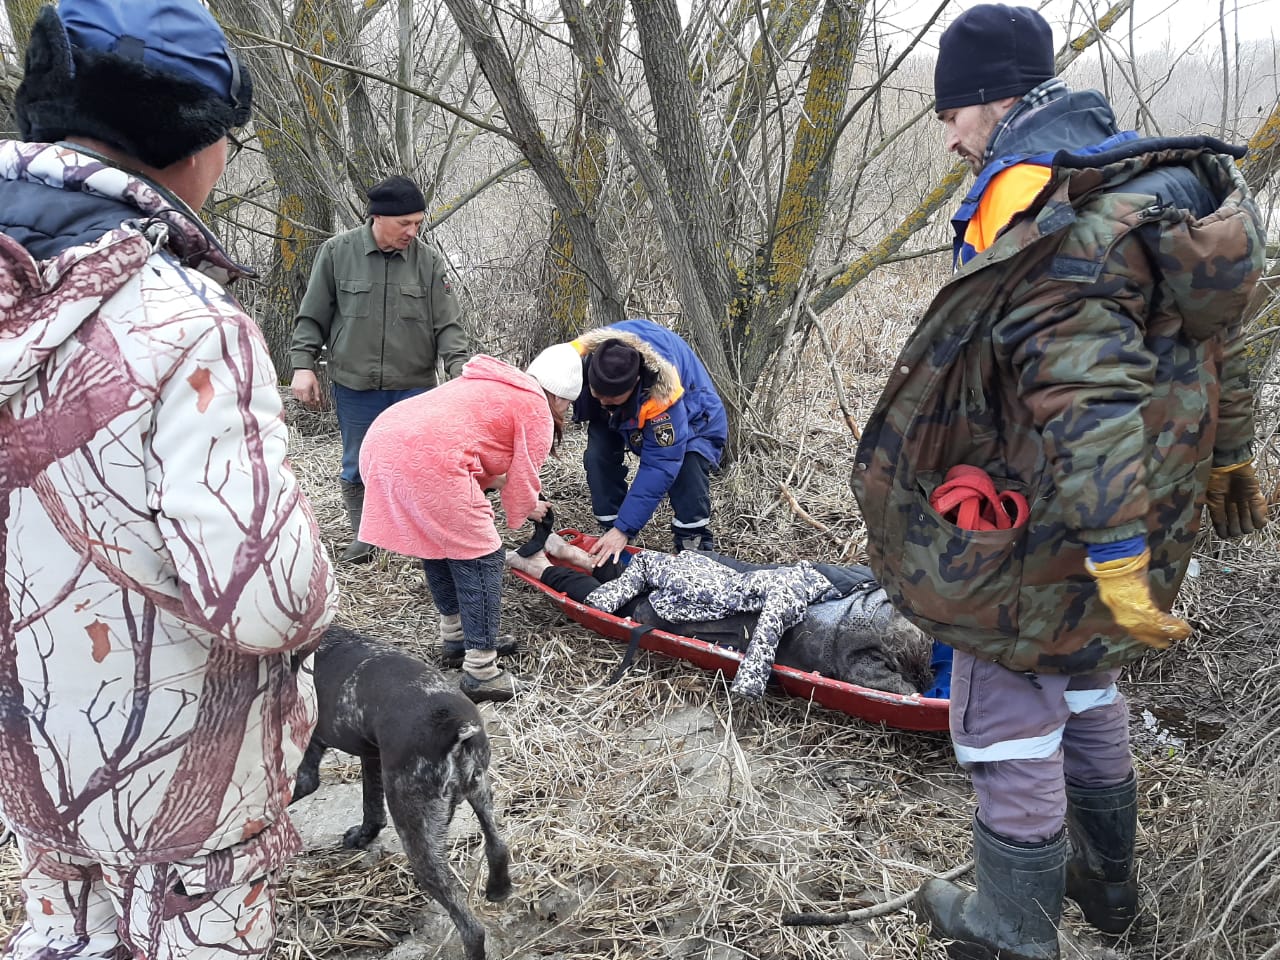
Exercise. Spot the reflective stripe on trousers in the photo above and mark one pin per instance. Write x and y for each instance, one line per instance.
(1022, 736)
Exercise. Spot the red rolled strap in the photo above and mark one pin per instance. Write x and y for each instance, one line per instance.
(968, 498)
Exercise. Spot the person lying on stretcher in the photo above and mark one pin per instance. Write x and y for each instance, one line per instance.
(833, 620)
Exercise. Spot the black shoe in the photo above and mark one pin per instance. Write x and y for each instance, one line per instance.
(453, 653)
(499, 689)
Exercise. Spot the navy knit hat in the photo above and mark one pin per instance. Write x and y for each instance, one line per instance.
(394, 197)
(152, 78)
(614, 368)
(990, 52)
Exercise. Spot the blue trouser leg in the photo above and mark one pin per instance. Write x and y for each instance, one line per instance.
(606, 462)
(440, 583)
(356, 410)
(472, 588)
(691, 503)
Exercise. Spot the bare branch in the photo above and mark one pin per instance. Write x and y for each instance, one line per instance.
(371, 75)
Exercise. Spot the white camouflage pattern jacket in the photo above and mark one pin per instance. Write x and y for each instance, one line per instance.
(163, 573)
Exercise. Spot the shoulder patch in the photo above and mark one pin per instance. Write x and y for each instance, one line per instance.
(664, 433)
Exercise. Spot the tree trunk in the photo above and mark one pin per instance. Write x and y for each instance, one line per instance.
(681, 147)
(806, 188)
(565, 295)
(498, 69)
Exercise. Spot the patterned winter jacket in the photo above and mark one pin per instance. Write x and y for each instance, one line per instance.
(1090, 359)
(675, 409)
(690, 586)
(162, 570)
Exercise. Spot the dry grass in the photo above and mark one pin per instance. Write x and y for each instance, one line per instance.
(658, 818)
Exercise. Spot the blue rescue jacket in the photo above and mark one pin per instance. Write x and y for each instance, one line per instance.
(674, 411)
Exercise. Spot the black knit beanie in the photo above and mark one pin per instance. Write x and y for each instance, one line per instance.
(155, 79)
(990, 52)
(394, 197)
(614, 368)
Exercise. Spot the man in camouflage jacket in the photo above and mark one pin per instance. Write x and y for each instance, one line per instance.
(162, 573)
(1087, 355)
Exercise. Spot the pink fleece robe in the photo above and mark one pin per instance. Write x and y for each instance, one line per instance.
(427, 460)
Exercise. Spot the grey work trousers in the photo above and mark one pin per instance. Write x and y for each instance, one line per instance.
(1022, 737)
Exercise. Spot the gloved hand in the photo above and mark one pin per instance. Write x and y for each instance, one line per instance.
(1124, 587)
(1236, 503)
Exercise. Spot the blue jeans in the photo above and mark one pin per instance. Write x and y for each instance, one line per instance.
(472, 588)
(357, 409)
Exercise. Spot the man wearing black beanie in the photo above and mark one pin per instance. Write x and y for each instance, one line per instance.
(382, 307)
(646, 392)
(1092, 364)
(162, 574)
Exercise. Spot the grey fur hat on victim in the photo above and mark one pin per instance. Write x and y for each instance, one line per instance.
(154, 79)
(559, 371)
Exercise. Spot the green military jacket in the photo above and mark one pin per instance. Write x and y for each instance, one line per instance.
(1091, 359)
(384, 318)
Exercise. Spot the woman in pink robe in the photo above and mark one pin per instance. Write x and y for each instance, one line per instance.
(427, 463)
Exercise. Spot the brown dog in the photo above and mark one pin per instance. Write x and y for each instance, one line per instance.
(424, 741)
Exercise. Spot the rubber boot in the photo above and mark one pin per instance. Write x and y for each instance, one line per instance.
(357, 551)
(1102, 822)
(1013, 914)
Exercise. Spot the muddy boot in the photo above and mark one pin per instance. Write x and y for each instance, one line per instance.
(1102, 822)
(357, 551)
(1014, 913)
(482, 678)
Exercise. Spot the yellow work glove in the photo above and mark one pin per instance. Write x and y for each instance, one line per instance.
(1236, 503)
(1124, 587)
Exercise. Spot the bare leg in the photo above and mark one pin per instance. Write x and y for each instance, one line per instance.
(561, 549)
(533, 566)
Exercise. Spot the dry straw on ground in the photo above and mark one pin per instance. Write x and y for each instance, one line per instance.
(658, 818)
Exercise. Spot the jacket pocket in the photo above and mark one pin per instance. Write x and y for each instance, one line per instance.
(354, 298)
(414, 303)
(968, 579)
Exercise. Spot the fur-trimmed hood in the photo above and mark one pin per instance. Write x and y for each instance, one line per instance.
(663, 381)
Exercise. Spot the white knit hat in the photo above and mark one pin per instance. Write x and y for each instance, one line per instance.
(559, 370)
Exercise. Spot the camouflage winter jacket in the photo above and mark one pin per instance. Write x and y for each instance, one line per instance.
(1091, 359)
(161, 568)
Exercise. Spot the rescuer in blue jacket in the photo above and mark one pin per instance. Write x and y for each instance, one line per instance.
(645, 390)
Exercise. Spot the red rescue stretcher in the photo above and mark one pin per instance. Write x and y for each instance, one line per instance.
(915, 712)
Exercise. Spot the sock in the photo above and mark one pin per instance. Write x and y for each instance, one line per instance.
(481, 664)
(451, 628)
(541, 530)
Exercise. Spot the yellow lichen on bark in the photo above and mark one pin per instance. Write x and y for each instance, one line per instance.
(290, 236)
(801, 207)
(1263, 158)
